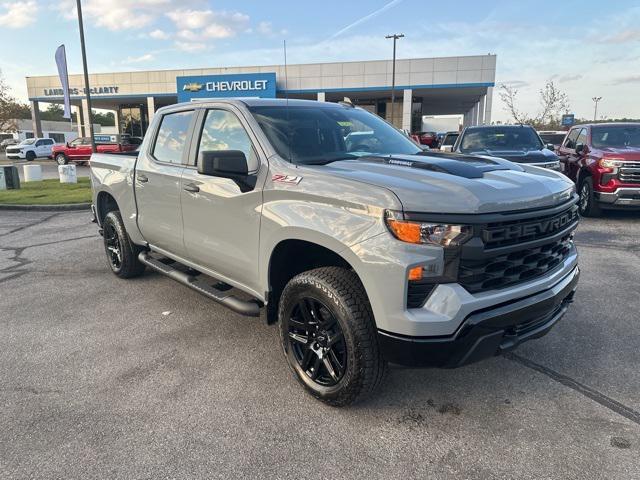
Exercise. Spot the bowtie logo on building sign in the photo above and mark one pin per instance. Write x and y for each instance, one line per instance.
(193, 87)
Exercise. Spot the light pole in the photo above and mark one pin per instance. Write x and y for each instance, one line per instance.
(395, 37)
(86, 76)
(595, 109)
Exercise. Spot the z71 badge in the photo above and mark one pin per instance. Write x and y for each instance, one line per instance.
(292, 179)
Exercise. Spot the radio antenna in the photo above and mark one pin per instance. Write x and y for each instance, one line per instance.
(286, 96)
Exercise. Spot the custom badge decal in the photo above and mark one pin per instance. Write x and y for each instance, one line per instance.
(291, 179)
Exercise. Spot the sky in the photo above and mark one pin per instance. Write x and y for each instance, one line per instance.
(588, 48)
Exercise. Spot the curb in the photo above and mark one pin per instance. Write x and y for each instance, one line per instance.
(63, 207)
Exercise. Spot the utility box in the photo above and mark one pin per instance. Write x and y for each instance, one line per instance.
(9, 178)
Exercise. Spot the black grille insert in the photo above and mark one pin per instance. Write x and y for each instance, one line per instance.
(418, 291)
(501, 270)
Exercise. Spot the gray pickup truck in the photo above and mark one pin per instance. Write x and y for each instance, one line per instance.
(328, 221)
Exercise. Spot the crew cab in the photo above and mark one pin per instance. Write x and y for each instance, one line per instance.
(80, 150)
(329, 222)
(516, 143)
(30, 149)
(604, 161)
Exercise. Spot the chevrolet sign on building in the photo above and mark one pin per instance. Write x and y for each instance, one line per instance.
(215, 86)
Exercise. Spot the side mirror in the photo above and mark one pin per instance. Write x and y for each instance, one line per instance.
(579, 148)
(230, 164)
(551, 146)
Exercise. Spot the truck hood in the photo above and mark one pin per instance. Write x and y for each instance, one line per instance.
(450, 183)
(625, 153)
(521, 156)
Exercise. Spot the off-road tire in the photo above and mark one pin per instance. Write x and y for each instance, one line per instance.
(128, 266)
(342, 293)
(588, 205)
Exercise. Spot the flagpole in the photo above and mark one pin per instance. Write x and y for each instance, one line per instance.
(86, 76)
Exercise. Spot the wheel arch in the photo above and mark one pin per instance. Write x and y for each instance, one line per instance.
(105, 203)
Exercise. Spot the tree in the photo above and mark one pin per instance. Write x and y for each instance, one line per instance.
(107, 119)
(553, 103)
(10, 109)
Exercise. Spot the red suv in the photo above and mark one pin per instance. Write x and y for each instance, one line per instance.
(604, 161)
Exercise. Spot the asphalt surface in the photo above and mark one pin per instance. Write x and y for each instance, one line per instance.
(49, 167)
(98, 381)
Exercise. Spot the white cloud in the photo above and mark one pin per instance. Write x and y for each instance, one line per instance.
(117, 14)
(188, 19)
(141, 59)
(18, 14)
(158, 34)
(199, 25)
(190, 46)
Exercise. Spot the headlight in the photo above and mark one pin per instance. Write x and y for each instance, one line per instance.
(441, 234)
(610, 163)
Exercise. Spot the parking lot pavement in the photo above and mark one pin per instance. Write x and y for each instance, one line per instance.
(96, 382)
(49, 167)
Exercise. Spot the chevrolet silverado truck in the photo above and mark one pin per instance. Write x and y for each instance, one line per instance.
(363, 253)
(80, 149)
(604, 161)
(30, 149)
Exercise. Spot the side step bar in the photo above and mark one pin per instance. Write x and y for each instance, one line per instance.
(250, 308)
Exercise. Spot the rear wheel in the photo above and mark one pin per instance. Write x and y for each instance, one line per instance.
(588, 205)
(61, 159)
(329, 336)
(122, 254)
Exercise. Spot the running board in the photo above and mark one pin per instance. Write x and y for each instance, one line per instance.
(250, 308)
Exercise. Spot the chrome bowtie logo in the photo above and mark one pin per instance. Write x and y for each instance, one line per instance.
(192, 87)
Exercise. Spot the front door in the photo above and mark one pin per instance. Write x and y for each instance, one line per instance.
(80, 148)
(222, 219)
(157, 181)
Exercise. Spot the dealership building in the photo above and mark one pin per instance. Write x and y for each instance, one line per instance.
(423, 86)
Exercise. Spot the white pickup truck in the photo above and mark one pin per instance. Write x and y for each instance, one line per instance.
(30, 149)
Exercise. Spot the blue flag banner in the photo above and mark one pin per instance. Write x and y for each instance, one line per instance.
(61, 62)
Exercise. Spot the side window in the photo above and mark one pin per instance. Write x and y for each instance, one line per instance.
(39, 143)
(76, 142)
(172, 137)
(570, 142)
(223, 131)
(582, 137)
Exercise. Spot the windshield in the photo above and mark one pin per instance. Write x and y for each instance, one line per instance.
(553, 138)
(615, 136)
(450, 139)
(500, 138)
(28, 141)
(316, 135)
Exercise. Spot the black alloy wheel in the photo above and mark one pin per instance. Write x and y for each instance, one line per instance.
(112, 246)
(317, 342)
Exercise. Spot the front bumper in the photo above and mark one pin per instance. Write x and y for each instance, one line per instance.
(484, 333)
(622, 197)
(15, 155)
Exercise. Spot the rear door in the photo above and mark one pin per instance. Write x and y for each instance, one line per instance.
(221, 218)
(157, 181)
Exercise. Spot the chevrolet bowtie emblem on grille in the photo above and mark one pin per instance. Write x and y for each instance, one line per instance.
(192, 87)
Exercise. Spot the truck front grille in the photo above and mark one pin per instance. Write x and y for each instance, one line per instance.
(502, 270)
(630, 173)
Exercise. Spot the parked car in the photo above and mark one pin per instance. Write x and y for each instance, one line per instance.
(396, 255)
(604, 161)
(430, 139)
(516, 143)
(552, 137)
(30, 149)
(448, 141)
(80, 150)
(7, 142)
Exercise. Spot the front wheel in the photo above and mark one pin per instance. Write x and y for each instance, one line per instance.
(61, 159)
(588, 205)
(329, 336)
(122, 254)
(30, 156)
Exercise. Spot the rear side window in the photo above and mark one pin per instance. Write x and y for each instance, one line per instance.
(570, 142)
(172, 137)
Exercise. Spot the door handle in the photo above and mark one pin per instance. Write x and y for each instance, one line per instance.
(192, 187)
(143, 178)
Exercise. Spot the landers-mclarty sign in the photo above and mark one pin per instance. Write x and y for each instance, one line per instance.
(233, 85)
(58, 92)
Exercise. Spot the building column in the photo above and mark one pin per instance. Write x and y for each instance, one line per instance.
(151, 107)
(488, 102)
(79, 118)
(481, 110)
(86, 118)
(321, 97)
(35, 119)
(116, 116)
(474, 114)
(406, 109)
